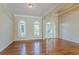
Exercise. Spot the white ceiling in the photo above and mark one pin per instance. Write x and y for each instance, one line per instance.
(39, 9)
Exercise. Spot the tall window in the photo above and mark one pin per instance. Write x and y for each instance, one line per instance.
(36, 28)
(49, 30)
(22, 28)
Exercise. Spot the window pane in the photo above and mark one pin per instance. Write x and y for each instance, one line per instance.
(36, 28)
(49, 30)
(22, 28)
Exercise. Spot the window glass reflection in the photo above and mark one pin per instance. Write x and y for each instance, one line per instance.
(36, 48)
(22, 49)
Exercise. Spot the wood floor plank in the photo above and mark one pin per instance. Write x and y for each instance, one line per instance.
(42, 47)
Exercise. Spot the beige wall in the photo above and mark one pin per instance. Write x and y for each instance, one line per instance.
(29, 20)
(69, 25)
(6, 27)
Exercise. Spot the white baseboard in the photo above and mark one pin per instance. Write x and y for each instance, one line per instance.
(5, 46)
(72, 41)
(26, 39)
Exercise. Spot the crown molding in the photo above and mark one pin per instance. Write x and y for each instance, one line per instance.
(64, 11)
(56, 9)
(27, 16)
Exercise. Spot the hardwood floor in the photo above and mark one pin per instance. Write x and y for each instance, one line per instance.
(42, 47)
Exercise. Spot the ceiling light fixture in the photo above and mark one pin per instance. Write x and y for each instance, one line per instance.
(30, 5)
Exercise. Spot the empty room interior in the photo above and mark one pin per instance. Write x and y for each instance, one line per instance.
(39, 29)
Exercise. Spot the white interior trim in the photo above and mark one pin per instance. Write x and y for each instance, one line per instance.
(6, 46)
(72, 41)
